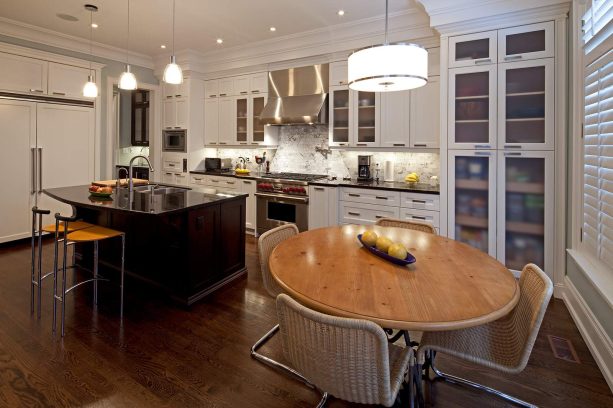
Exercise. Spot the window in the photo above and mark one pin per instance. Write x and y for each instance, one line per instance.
(597, 223)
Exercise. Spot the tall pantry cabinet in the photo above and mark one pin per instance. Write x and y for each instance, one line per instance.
(501, 142)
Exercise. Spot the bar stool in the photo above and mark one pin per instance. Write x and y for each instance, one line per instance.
(93, 234)
(37, 235)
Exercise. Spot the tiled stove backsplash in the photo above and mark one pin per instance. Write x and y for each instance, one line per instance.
(297, 153)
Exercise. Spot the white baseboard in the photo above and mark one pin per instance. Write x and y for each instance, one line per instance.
(597, 340)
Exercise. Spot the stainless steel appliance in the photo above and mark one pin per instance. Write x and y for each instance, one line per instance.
(174, 140)
(217, 164)
(364, 168)
(283, 198)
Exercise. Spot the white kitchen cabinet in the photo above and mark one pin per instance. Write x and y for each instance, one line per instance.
(168, 177)
(211, 88)
(226, 87)
(323, 206)
(472, 107)
(338, 73)
(370, 196)
(247, 186)
(211, 121)
(177, 178)
(532, 41)
(227, 121)
(241, 119)
(396, 119)
(473, 49)
(341, 102)
(241, 85)
(420, 201)
(66, 80)
(259, 83)
(472, 198)
(256, 128)
(182, 116)
(176, 90)
(354, 117)
(365, 214)
(525, 190)
(169, 119)
(425, 108)
(17, 163)
(23, 74)
(432, 217)
(526, 105)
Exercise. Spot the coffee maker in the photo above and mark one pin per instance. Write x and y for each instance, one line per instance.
(364, 168)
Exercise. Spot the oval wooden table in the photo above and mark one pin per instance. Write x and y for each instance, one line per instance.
(451, 286)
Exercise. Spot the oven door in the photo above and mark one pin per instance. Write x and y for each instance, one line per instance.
(174, 141)
(273, 211)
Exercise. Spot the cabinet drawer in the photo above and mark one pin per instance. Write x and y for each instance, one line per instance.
(358, 213)
(223, 182)
(197, 179)
(172, 165)
(433, 217)
(369, 196)
(420, 201)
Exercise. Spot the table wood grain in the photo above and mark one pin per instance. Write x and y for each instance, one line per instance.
(451, 286)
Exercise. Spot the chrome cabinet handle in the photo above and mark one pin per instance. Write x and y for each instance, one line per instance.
(36, 90)
(222, 94)
(177, 174)
(419, 145)
(197, 179)
(418, 217)
(244, 92)
(482, 60)
(212, 96)
(246, 182)
(178, 96)
(319, 188)
(512, 153)
(58, 93)
(255, 91)
(512, 146)
(398, 144)
(419, 201)
(214, 181)
(513, 57)
(40, 169)
(483, 146)
(243, 143)
(33, 185)
(483, 153)
(168, 96)
(230, 182)
(361, 144)
(353, 195)
(379, 216)
(353, 213)
(381, 198)
(223, 143)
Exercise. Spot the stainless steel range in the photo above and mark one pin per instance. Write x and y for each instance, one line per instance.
(283, 198)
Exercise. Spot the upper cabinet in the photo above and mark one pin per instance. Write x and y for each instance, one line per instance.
(354, 118)
(176, 91)
(338, 73)
(425, 122)
(66, 80)
(472, 49)
(23, 74)
(259, 83)
(395, 123)
(526, 42)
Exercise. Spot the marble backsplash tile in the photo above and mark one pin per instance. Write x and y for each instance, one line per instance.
(124, 155)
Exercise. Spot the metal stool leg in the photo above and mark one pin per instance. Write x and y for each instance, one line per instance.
(55, 263)
(95, 273)
(64, 279)
(33, 263)
(123, 253)
(40, 261)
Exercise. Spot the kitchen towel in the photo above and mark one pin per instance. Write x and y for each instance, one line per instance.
(388, 171)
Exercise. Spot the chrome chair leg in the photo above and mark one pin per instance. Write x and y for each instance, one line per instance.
(462, 381)
(55, 263)
(33, 263)
(123, 261)
(40, 262)
(95, 273)
(323, 400)
(64, 280)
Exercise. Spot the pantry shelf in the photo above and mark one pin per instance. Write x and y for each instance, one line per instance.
(470, 221)
(526, 188)
(525, 228)
(469, 184)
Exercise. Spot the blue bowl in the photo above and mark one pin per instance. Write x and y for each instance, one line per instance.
(402, 262)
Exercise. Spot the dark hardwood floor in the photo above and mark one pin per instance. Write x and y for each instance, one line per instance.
(166, 356)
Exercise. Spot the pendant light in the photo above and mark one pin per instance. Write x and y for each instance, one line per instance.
(127, 80)
(90, 90)
(388, 67)
(172, 72)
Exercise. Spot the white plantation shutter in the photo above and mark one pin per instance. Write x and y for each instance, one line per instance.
(597, 238)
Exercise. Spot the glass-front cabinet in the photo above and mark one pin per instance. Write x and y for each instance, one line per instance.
(340, 115)
(526, 105)
(472, 198)
(472, 107)
(525, 219)
(531, 41)
(366, 118)
(242, 119)
(256, 129)
(354, 118)
(472, 49)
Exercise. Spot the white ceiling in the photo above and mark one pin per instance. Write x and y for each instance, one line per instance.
(199, 22)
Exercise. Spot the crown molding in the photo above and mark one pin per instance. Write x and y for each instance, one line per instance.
(16, 29)
(450, 17)
(412, 24)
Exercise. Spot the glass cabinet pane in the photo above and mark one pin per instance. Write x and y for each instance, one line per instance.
(524, 211)
(472, 107)
(366, 116)
(471, 197)
(471, 50)
(525, 105)
(241, 119)
(258, 126)
(521, 43)
(340, 116)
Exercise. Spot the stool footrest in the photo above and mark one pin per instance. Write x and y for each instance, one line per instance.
(83, 282)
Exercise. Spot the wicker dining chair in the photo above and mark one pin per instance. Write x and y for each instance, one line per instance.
(416, 225)
(504, 344)
(347, 358)
(266, 243)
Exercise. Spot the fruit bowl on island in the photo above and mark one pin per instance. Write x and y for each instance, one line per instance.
(408, 259)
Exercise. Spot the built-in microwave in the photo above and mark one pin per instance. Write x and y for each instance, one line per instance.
(174, 140)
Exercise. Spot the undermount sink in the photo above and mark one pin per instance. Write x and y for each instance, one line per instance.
(158, 190)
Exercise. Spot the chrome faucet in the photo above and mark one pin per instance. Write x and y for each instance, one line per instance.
(131, 182)
(118, 184)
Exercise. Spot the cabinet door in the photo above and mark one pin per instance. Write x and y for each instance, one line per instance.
(227, 121)
(395, 119)
(248, 187)
(211, 88)
(226, 87)
(168, 177)
(472, 198)
(472, 49)
(526, 42)
(181, 179)
(211, 121)
(22, 74)
(256, 128)
(338, 73)
(66, 80)
(242, 84)
(182, 113)
(17, 163)
(472, 108)
(340, 116)
(367, 108)
(425, 120)
(525, 190)
(241, 120)
(318, 207)
(170, 114)
(169, 90)
(259, 83)
(182, 89)
(526, 105)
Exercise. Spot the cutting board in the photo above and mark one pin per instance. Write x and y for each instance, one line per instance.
(123, 182)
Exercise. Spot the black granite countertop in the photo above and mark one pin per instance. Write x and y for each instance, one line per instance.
(155, 204)
(391, 186)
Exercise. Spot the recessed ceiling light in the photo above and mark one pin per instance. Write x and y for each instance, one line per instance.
(94, 25)
(220, 41)
(341, 13)
(273, 28)
(67, 17)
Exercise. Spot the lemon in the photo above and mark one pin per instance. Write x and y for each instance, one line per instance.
(369, 237)
(383, 243)
(397, 251)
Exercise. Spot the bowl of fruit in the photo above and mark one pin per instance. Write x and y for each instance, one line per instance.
(385, 248)
(100, 191)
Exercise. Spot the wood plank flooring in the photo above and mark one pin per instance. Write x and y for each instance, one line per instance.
(166, 356)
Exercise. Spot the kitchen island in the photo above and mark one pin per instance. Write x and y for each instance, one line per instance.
(187, 242)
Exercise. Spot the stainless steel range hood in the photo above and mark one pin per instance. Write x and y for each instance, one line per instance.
(297, 96)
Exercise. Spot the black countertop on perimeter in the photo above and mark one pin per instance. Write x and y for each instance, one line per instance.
(155, 204)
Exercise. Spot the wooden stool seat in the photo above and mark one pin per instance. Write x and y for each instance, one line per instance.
(94, 233)
(72, 226)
